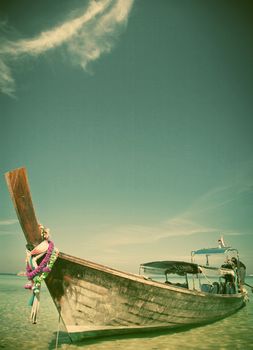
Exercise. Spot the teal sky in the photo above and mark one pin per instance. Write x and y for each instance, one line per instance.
(134, 121)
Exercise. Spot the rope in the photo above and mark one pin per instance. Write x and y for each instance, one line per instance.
(58, 331)
(206, 278)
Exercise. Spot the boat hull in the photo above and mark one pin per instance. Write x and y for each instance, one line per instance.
(94, 300)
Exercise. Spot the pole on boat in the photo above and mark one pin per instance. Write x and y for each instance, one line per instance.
(58, 331)
(246, 284)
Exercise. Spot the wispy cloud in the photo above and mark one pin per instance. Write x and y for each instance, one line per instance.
(114, 245)
(85, 38)
(141, 234)
(199, 217)
(8, 222)
(6, 227)
(8, 233)
(219, 197)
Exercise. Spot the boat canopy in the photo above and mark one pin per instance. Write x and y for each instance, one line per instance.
(176, 267)
(222, 250)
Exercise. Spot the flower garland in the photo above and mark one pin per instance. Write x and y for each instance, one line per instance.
(30, 273)
(38, 274)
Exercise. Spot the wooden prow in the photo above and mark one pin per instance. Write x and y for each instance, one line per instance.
(18, 185)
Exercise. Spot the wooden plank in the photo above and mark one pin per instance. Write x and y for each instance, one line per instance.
(18, 186)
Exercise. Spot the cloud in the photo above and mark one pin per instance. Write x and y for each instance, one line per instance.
(8, 233)
(125, 247)
(7, 83)
(4, 227)
(220, 197)
(85, 38)
(140, 234)
(8, 222)
(199, 217)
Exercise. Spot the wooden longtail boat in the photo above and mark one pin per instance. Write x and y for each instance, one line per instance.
(94, 300)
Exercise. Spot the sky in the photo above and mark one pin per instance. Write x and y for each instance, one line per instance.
(134, 122)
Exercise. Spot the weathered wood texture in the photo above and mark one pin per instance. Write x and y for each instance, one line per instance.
(18, 185)
(94, 300)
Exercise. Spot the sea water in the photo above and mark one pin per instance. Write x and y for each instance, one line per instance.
(16, 331)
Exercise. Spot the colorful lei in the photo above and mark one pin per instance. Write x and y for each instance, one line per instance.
(38, 274)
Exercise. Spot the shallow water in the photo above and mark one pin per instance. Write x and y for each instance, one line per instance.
(16, 331)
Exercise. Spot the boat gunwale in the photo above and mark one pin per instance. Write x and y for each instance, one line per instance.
(142, 279)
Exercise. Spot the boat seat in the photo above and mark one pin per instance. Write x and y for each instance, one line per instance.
(207, 288)
(215, 288)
